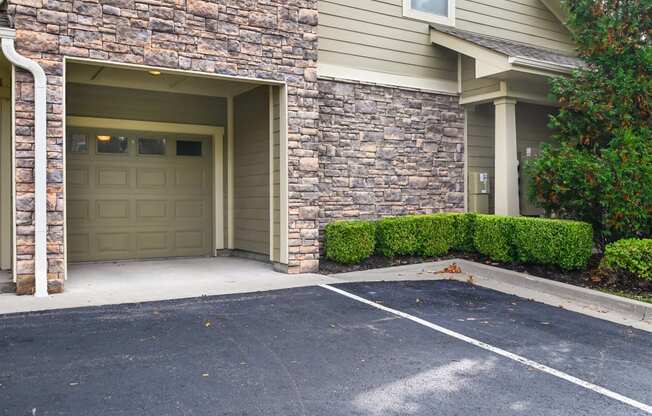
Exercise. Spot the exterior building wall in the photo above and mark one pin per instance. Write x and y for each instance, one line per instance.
(251, 171)
(527, 21)
(264, 39)
(531, 132)
(388, 151)
(374, 36)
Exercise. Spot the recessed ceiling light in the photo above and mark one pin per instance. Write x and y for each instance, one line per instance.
(154, 72)
(103, 138)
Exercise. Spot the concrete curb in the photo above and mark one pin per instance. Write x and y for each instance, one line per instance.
(632, 308)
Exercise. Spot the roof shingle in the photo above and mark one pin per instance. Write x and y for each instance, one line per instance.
(513, 49)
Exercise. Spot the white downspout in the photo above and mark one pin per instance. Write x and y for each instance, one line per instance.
(40, 160)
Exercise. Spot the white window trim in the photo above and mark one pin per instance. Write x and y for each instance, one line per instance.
(430, 17)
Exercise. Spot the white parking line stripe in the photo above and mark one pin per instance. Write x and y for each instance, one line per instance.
(541, 367)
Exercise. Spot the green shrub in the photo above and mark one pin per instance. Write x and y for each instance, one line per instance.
(631, 255)
(463, 232)
(424, 235)
(567, 244)
(493, 237)
(435, 234)
(349, 242)
(397, 236)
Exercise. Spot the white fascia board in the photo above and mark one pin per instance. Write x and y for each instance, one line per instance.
(541, 65)
(470, 49)
(556, 9)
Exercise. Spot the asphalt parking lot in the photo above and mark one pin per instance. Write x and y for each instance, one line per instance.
(400, 348)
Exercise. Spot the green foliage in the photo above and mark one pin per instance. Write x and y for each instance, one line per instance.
(397, 236)
(493, 237)
(435, 234)
(601, 169)
(567, 244)
(631, 255)
(350, 242)
(423, 235)
(463, 230)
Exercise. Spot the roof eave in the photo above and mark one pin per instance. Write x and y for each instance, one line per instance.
(541, 65)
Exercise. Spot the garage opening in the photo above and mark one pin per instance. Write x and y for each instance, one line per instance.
(163, 164)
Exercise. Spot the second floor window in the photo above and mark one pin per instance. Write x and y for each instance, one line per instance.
(434, 11)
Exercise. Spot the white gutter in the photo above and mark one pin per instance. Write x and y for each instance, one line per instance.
(539, 64)
(40, 159)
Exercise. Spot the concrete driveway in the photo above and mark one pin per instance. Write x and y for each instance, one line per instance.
(94, 284)
(382, 348)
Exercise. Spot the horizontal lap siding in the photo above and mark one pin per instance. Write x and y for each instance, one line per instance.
(276, 130)
(526, 21)
(531, 131)
(480, 142)
(374, 36)
(251, 171)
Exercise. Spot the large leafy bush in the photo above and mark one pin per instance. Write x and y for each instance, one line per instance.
(630, 255)
(600, 171)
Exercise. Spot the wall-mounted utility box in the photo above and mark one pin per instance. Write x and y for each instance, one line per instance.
(479, 192)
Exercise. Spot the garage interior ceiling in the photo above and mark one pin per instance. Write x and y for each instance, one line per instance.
(141, 79)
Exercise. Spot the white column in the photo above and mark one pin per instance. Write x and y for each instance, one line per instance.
(506, 162)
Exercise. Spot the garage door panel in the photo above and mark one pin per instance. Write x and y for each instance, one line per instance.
(189, 177)
(133, 205)
(78, 211)
(77, 176)
(151, 210)
(112, 176)
(190, 209)
(152, 241)
(112, 210)
(113, 243)
(189, 239)
(79, 244)
(151, 178)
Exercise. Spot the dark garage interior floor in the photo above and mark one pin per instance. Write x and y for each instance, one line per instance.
(311, 351)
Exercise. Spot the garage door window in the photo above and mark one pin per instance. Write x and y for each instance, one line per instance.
(188, 148)
(78, 143)
(112, 144)
(147, 146)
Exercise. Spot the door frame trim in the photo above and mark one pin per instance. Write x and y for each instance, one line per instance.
(217, 135)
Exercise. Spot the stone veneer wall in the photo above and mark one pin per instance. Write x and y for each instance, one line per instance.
(388, 151)
(267, 39)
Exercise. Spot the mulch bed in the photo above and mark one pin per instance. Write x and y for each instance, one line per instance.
(591, 278)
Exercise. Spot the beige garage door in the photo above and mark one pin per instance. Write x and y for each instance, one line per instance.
(136, 194)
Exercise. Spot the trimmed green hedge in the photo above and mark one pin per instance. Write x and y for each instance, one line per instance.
(631, 255)
(566, 244)
(349, 242)
(493, 237)
(423, 235)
